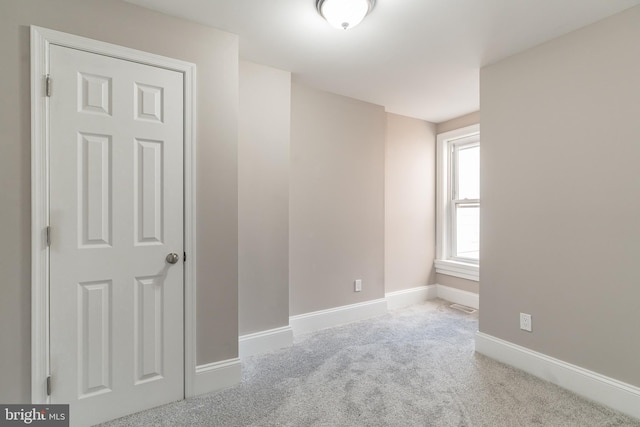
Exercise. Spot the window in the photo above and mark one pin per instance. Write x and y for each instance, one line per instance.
(458, 196)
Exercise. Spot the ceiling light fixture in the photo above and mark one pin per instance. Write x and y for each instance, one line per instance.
(344, 14)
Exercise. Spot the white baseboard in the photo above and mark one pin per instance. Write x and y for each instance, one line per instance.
(216, 376)
(264, 341)
(322, 319)
(458, 296)
(407, 297)
(599, 388)
(273, 339)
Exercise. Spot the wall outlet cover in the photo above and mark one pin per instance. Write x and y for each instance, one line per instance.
(525, 322)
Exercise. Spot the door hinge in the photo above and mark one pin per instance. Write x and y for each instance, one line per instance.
(48, 235)
(47, 85)
(49, 385)
(184, 259)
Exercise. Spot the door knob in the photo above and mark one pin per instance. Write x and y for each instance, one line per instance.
(172, 258)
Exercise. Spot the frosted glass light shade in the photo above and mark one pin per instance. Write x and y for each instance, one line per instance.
(344, 14)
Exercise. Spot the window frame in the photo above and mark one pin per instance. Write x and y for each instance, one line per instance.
(446, 262)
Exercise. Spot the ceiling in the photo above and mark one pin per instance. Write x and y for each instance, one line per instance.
(418, 58)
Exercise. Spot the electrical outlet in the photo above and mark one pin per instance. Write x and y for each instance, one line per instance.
(525, 322)
(357, 285)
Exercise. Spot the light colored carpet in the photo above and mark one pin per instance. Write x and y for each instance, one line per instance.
(411, 367)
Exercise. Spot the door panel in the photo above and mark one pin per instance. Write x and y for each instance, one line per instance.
(94, 337)
(116, 305)
(148, 191)
(94, 198)
(148, 329)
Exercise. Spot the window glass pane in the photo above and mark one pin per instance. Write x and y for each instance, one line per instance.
(468, 231)
(468, 170)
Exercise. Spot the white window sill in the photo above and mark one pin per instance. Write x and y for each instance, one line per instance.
(458, 269)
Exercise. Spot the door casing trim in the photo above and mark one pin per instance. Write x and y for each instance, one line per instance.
(41, 40)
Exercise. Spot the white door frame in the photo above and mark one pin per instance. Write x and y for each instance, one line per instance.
(41, 39)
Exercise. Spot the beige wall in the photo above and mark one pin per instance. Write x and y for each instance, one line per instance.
(410, 173)
(336, 200)
(263, 197)
(458, 283)
(445, 279)
(561, 197)
(458, 122)
(215, 53)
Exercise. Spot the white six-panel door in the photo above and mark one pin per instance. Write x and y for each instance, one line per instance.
(116, 212)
